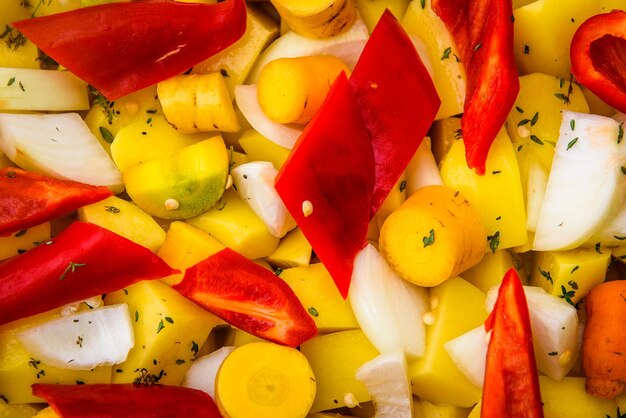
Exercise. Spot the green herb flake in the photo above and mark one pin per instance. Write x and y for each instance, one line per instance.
(423, 4)
(430, 239)
(535, 118)
(574, 269)
(180, 361)
(11, 81)
(620, 132)
(494, 241)
(597, 248)
(136, 316)
(561, 82)
(106, 134)
(535, 139)
(563, 97)
(571, 143)
(160, 326)
(573, 284)
(278, 271)
(567, 295)
(149, 121)
(519, 109)
(523, 122)
(21, 233)
(526, 49)
(572, 124)
(168, 319)
(79, 341)
(619, 238)
(496, 172)
(125, 291)
(71, 268)
(194, 348)
(553, 353)
(546, 275)
(402, 185)
(446, 53)
(313, 312)
(80, 382)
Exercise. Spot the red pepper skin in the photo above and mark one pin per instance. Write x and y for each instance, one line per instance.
(126, 400)
(84, 260)
(120, 48)
(483, 32)
(332, 166)
(29, 199)
(511, 386)
(397, 99)
(598, 55)
(249, 297)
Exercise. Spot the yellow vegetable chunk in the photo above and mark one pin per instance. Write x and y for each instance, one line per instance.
(318, 293)
(444, 133)
(348, 350)
(22, 241)
(259, 148)
(47, 412)
(497, 195)
(125, 219)
(394, 199)
(185, 246)
(490, 271)
(424, 409)
(434, 235)
(15, 50)
(169, 330)
(317, 18)
(18, 411)
(237, 337)
(448, 72)
(568, 398)
(235, 62)
(293, 250)
(265, 380)
(198, 103)
(182, 185)
(233, 223)
(291, 90)
(371, 10)
(570, 274)
(460, 308)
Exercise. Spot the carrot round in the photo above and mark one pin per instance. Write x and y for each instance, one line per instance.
(604, 340)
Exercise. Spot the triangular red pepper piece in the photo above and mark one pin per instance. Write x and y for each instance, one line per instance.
(483, 32)
(249, 297)
(29, 199)
(327, 182)
(122, 47)
(397, 100)
(126, 400)
(511, 387)
(84, 260)
(598, 55)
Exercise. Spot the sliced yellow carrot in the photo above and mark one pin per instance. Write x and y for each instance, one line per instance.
(434, 235)
(315, 18)
(265, 380)
(291, 90)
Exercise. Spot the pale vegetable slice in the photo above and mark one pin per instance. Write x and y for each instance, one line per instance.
(586, 185)
(255, 184)
(422, 170)
(201, 375)
(388, 308)
(536, 190)
(469, 353)
(386, 379)
(613, 233)
(45, 90)
(283, 135)
(60, 146)
(83, 341)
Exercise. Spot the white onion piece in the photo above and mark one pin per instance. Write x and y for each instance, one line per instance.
(535, 192)
(620, 117)
(292, 45)
(422, 170)
(386, 379)
(469, 353)
(613, 233)
(283, 135)
(348, 52)
(388, 309)
(87, 339)
(201, 375)
(92, 302)
(254, 182)
(60, 146)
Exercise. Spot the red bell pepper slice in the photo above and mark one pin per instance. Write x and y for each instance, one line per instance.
(511, 387)
(249, 297)
(84, 260)
(483, 32)
(120, 48)
(126, 400)
(29, 199)
(332, 167)
(598, 55)
(397, 100)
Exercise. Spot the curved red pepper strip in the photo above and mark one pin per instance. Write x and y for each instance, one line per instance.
(126, 400)
(29, 199)
(84, 260)
(483, 32)
(122, 47)
(511, 386)
(397, 100)
(249, 297)
(598, 55)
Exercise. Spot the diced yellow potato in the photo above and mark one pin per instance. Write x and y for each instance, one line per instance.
(49, 7)
(568, 398)
(319, 295)
(125, 219)
(448, 72)
(24, 56)
(238, 337)
(259, 148)
(315, 18)
(596, 105)
(169, 330)
(17, 411)
(444, 133)
(236, 158)
(293, 251)
(490, 271)
(371, 10)
(519, 3)
(425, 409)
(348, 350)
(460, 307)
(475, 413)
(394, 199)
(15, 50)
(106, 118)
(145, 140)
(235, 225)
(24, 240)
(235, 62)
(185, 246)
(497, 194)
(570, 274)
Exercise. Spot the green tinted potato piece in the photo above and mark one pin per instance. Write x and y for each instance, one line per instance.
(293, 251)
